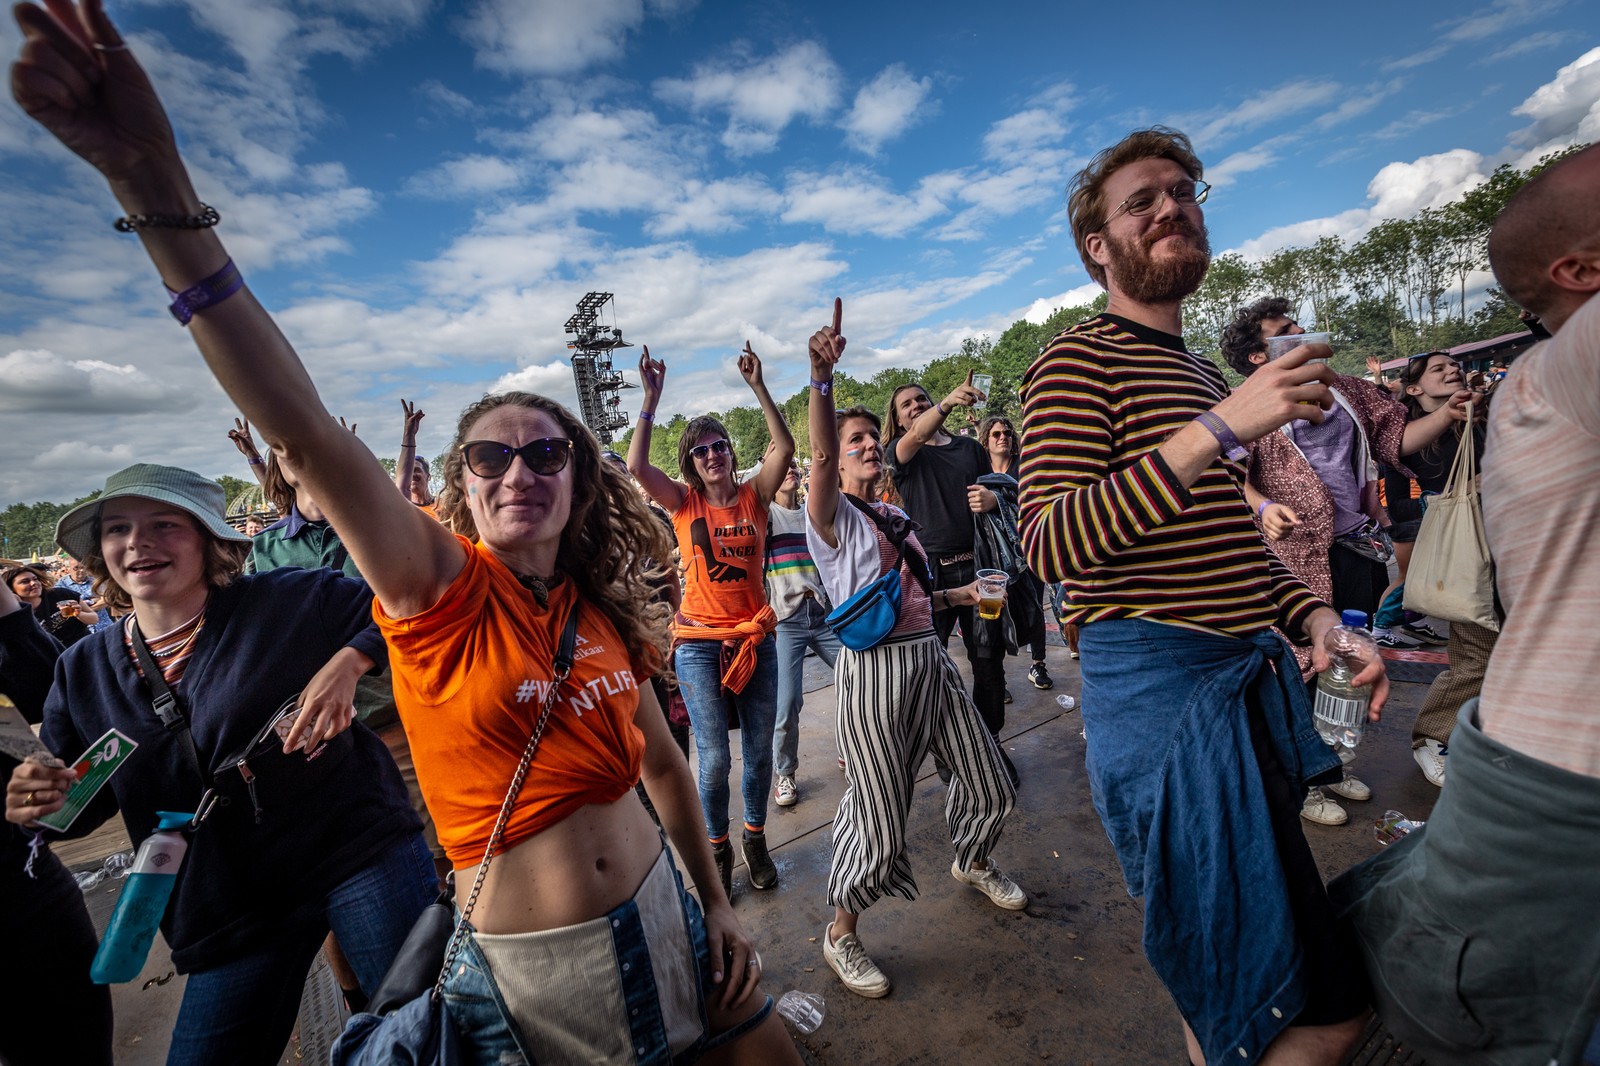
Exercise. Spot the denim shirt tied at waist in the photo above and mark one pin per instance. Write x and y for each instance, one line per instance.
(1178, 787)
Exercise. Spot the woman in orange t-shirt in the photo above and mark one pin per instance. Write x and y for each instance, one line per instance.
(725, 655)
(581, 857)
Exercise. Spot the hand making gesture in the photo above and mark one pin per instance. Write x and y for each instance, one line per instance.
(653, 376)
(750, 366)
(413, 421)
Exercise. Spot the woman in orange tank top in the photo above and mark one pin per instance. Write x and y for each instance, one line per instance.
(724, 652)
(586, 859)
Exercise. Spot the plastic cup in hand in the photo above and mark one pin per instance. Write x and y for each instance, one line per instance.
(803, 1009)
(983, 383)
(991, 593)
(1278, 347)
(1394, 826)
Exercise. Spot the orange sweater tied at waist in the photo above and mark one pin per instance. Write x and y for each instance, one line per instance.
(743, 639)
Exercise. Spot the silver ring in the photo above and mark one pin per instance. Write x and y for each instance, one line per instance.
(752, 964)
(120, 46)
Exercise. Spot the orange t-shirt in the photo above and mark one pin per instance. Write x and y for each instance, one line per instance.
(470, 674)
(723, 549)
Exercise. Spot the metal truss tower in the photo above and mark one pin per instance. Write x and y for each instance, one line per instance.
(599, 384)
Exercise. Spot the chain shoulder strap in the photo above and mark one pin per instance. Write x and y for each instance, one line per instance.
(563, 666)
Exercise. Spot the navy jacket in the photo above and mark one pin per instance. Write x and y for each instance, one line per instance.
(264, 638)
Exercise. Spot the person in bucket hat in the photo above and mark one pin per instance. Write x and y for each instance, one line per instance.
(201, 497)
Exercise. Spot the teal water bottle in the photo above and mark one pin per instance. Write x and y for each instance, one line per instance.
(142, 903)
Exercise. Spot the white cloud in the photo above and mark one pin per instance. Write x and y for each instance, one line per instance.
(713, 206)
(549, 39)
(1040, 310)
(1257, 158)
(1533, 42)
(1269, 106)
(1496, 20)
(467, 178)
(1042, 124)
(760, 96)
(1567, 107)
(42, 382)
(1355, 106)
(886, 107)
(854, 201)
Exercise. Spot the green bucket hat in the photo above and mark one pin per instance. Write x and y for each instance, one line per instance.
(200, 497)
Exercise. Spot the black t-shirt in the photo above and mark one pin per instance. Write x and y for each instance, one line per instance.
(933, 485)
(67, 630)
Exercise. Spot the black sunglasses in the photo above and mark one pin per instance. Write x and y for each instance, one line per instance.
(716, 447)
(490, 458)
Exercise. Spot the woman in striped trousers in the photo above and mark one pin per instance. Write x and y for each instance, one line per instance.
(898, 700)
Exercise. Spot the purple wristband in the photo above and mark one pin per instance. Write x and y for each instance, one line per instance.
(207, 293)
(1231, 448)
(1263, 508)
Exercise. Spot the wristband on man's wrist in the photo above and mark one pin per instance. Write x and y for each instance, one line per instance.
(1262, 509)
(943, 410)
(824, 387)
(1231, 448)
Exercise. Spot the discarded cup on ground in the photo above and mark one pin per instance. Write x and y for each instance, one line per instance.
(983, 383)
(991, 593)
(803, 1009)
(1067, 703)
(1278, 347)
(1394, 826)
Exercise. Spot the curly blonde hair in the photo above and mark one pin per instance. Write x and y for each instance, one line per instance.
(609, 533)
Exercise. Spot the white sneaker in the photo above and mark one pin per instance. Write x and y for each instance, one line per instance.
(1322, 810)
(1351, 788)
(788, 791)
(850, 961)
(1430, 757)
(992, 883)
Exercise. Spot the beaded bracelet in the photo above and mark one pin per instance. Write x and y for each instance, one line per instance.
(207, 218)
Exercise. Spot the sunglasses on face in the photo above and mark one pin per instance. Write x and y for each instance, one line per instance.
(716, 447)
(490, 458)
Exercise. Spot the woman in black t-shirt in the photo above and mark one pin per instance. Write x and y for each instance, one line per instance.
(59, 611)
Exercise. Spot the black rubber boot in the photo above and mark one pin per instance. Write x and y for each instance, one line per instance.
(723, 854)
(763, 874)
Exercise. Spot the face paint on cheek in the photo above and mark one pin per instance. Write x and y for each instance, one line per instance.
(853, 451)
(472, 490)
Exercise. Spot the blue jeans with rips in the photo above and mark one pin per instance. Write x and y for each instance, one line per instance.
(243, 1011)
(804, 629)
(699, 667)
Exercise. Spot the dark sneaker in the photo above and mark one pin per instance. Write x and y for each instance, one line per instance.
(762, 873)
(1040, 676)
(1008, 695)
(723, 854)
(1389, 638)
(1420, 631)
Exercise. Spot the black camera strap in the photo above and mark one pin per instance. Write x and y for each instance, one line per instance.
(170, 712)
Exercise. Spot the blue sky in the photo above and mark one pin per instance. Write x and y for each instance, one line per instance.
(421, 191)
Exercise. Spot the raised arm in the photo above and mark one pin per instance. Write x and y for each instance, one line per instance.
(822, 499)
(663, 489)
(931, 421)
(77, 78)
(411, 421)
(240, 435)
(782, 450)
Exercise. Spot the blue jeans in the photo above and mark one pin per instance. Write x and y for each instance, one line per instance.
(699, 667)
(801, 630)
(243, 1011)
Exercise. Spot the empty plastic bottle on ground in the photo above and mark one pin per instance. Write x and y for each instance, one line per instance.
(1340, 708)
(142, 903)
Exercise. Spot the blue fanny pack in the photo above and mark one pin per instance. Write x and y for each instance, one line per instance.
(863, 620)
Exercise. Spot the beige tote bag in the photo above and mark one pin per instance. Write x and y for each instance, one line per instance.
(1451, 575)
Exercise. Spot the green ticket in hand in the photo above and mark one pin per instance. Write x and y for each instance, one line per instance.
(94, 768)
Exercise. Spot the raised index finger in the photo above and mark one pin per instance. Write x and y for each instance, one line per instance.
(838, 313)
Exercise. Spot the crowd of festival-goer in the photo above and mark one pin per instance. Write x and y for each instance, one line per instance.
(498, 664)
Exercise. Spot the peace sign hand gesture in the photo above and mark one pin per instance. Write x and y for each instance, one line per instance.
(413, 421)
(240, 435)
(77, 79)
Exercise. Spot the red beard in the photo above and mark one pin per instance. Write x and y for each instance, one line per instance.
(1176, 274)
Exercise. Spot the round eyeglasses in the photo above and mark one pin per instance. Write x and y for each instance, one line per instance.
(490, 458)
(1147, 201)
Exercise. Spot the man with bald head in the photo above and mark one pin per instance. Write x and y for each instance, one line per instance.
(1501, 882)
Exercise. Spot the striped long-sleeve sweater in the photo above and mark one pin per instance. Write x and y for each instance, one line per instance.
(1104, 514)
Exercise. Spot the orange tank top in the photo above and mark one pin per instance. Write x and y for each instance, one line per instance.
(722, 549)
(470, 674)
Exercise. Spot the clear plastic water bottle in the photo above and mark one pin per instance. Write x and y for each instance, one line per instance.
(142, 903)
(1340, 709)
(1067, 703)
(804, 1009)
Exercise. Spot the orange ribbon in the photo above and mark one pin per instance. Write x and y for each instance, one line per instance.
(749, 635)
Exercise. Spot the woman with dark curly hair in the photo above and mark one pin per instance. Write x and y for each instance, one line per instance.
(724, 652)
(60, 611)
(582, 891)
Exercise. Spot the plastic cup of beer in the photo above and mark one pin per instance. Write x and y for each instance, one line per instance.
(991, 593)
(1278, 347)
(983, 383)
(69, 610)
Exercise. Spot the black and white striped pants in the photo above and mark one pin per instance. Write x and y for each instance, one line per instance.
(896, 702)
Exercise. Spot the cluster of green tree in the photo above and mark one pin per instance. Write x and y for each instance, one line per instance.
(29, 529)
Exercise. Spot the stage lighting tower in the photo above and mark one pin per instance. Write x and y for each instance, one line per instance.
(598, 382)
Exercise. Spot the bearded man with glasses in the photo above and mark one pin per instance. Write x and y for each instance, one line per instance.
(1200, 742)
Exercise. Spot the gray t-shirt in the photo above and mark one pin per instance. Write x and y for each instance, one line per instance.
(1331, 450)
